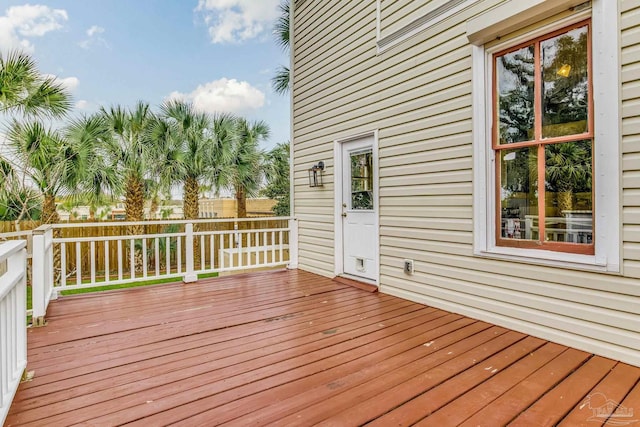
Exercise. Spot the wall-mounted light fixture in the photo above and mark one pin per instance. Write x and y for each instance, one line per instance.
(315, 174)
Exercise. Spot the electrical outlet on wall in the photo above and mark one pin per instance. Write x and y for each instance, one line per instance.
(408, 266)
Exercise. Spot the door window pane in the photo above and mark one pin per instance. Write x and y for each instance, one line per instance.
(515, 87)
(568, 186)
(565, 84)
(362, 180)
(519, 193)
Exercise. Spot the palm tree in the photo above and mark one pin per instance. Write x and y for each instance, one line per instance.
(568, 171)
(99, 183)
(23, 89)
(47, 159)
(280, 82)
(277, 174)
(192, 147)
(181, 136)
(133, 155)
(245, 166)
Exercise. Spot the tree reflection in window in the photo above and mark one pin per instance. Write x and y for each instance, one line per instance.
(543, 115)
(362, 180)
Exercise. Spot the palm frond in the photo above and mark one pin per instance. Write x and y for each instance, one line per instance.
(281, 27)
(25, 90)
(280, 82)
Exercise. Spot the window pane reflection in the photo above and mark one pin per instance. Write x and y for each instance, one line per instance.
(518, 193)
(362, 180)
(568, 186)
(515, 77)
(565, 98)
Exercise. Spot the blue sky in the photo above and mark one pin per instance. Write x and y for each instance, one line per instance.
(218, 54)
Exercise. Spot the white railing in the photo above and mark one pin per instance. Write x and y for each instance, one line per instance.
(172, 249)
(571, 228)
(26, 235)
(13, 327)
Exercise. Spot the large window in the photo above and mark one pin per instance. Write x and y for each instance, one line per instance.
(546, 126)
(543, 142)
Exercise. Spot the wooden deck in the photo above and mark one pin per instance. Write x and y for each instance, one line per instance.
(293, 348)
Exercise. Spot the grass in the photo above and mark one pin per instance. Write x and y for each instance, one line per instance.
(132, 284)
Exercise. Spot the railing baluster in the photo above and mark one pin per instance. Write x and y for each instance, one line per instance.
(240, 260)
(144, 258)
(107, 267)
(265, 257)
(120, 260)
(179, 257)
(212, 251)
(280, 246)
(63, 264)
(273, 246)
(248, 249)
(221, 252)
(78, 264)
(157, 255)
(202, 252)
(93, 261)
(167, 250)
(132, 258)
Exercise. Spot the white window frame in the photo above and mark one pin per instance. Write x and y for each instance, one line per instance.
(606, 88)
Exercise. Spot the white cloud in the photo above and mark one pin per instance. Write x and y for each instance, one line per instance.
(224, 95)
(234, 21)
(95, 30)
(82, 104)
(70, 83)
(94, 33)
(19, 23)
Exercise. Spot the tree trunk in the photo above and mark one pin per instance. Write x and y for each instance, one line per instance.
(241, 204)
(49, 212)
(134, 203)
(134, 211)
(191, 210)
(190, 205)
(565, 200)
(153, 208)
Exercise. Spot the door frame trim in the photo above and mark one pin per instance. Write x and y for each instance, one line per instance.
(337, 203)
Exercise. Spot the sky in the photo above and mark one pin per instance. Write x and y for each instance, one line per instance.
(218, 54)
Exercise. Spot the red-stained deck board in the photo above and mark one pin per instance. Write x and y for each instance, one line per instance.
(294, 348)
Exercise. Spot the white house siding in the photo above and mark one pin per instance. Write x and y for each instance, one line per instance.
(417, 94)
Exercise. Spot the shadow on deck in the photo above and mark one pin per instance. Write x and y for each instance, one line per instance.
(294, 348)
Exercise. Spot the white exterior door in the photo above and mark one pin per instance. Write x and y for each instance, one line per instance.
(359, 215)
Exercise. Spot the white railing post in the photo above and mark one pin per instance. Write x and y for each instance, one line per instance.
(50, 292)
(42, 274)
(293, 244)
(190, 275)
(38, 276)
(13, 327)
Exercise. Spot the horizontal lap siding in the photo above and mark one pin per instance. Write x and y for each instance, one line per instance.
(418, 95)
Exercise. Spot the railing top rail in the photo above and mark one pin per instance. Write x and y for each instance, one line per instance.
(10, 248)
(11, 234)
(166, 222)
